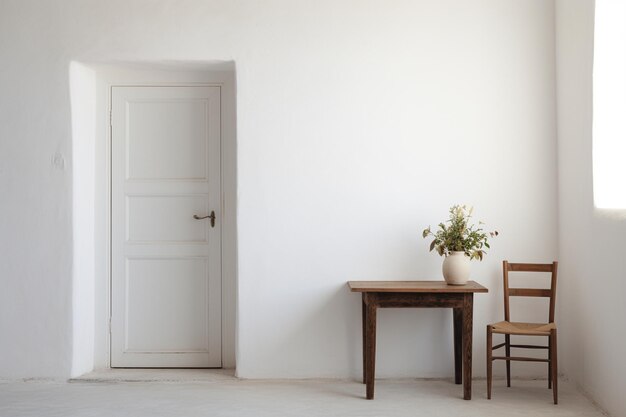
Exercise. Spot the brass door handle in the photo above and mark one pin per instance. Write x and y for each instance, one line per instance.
(210, 216)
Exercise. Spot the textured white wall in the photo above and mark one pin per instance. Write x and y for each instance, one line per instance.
(593, 267)
(358, 123)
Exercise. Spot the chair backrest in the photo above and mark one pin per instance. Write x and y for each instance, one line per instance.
(529, 292)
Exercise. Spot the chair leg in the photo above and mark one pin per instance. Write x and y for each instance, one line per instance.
(507, 341)
(554, 365)
(489, 361)
(550, 362)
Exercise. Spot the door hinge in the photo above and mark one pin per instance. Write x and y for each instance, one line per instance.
(109, 325)
(110, 117)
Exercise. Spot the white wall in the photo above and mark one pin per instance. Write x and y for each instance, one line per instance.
(358, 124)
(592, 308)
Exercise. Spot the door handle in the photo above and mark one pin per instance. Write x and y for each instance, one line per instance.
(210, 216)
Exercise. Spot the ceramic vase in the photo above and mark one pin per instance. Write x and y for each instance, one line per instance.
(456, 268)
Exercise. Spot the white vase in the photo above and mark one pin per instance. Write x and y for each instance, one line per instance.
(456, 268)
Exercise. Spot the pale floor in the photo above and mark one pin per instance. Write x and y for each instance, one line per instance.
(198, 393)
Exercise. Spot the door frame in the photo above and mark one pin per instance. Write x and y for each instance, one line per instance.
(108, 76)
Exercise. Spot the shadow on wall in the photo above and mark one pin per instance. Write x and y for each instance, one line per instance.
(83, 107)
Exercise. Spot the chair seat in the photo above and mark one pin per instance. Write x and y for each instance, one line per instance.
(527, 329)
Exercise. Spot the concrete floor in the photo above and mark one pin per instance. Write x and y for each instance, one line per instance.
(193, 393)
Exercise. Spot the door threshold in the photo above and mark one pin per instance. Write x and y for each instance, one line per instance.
(158, 375)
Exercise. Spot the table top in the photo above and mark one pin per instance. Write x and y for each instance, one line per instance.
(414, 286)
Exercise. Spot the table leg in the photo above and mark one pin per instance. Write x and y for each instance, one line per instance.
(363, 321)
(370, 349)
(458, 333)
(468, 306)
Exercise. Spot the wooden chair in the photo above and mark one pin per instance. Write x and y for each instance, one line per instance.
(508, 327)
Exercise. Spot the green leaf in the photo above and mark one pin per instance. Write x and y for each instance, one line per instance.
(458, 234)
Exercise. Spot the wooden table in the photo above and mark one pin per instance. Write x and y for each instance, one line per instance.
(381, 294)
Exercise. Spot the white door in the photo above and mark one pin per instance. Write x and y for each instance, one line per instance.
(166, 265)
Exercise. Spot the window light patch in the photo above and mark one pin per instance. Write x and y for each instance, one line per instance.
(609, 105)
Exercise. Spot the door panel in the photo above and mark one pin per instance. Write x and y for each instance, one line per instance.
(164, 218)
(166, 265)
(168, 292)
(155, 123)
